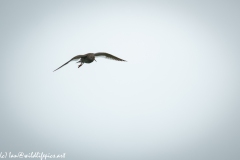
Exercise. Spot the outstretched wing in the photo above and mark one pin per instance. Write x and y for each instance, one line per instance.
(74, 58)
(107, 55)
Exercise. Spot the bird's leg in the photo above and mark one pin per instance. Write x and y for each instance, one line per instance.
(80, 65)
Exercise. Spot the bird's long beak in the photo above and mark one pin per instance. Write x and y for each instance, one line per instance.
(95, 60)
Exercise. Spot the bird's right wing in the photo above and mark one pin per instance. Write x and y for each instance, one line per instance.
(74, 58)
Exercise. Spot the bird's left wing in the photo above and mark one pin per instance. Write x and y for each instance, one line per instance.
(74, 58)
(107, 55)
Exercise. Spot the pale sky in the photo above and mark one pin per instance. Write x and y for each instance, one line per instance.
(176, 97)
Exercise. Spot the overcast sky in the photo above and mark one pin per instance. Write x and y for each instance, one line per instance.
(176, 97)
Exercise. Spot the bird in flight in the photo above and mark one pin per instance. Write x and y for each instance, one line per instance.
(90, 57)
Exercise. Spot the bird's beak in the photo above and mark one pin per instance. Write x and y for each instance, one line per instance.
(95, 60)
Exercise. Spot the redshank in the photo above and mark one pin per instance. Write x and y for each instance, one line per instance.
(90, 57)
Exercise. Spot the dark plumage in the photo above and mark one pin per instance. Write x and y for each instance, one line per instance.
(89, 58)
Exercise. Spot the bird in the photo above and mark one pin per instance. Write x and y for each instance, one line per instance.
(90, 57)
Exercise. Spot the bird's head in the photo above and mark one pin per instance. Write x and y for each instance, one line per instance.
(93, 57)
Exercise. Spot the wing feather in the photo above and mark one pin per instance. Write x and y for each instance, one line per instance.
(74, 58)
(109, 56)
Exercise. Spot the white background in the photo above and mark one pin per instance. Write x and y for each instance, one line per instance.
(177, 97)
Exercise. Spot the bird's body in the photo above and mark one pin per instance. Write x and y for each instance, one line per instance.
(89, 58)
